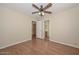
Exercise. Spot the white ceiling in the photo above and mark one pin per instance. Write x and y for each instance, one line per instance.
(27, 7)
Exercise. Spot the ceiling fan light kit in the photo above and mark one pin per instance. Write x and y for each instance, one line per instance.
(41, 13)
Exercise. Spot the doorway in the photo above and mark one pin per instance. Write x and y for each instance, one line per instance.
(46, 30)
(33, 30)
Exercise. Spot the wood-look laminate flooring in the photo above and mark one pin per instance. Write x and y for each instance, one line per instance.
(39, 47)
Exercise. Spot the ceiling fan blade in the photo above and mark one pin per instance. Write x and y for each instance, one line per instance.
(49, 5)
(49, 12)
(35, 12)
(35, 6)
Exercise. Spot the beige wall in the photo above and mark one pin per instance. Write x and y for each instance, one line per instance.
(15, 27)
(64, 27)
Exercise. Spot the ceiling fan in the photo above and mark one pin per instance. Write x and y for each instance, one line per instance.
(42, 10)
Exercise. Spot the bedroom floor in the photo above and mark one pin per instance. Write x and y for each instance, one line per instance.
(39, 47)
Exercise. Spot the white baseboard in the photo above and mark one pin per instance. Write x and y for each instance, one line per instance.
(75, 46)
(13, 44)
(30, 39)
